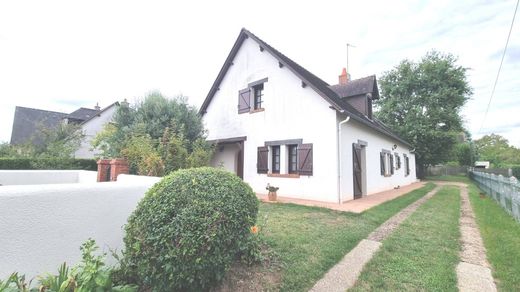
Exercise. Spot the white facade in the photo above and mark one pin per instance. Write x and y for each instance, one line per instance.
(293, 111)
(90, 128)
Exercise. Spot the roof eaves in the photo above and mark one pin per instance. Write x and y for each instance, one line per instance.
(99, 113)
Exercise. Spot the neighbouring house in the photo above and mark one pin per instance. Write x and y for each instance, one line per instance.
(29, 121)
(274, 122)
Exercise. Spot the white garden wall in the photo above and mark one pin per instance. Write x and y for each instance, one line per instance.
(42, 226)
(38, 177)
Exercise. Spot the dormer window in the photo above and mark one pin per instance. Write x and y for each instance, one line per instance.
(258, 93)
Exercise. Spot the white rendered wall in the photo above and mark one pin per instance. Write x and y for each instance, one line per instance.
(291, 112)
(90, 129)
(44, 225)
(225, 156)
(353, 131)
(38, 177)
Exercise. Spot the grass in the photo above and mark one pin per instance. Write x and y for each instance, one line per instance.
(501, 235)
(451, 178)
(308, 241)
(421, 254)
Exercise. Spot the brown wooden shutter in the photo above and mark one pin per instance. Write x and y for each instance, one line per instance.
(407, 163)
(305, 159)
(244, 100)
(262, 158)
(382, 162)
(391, 163)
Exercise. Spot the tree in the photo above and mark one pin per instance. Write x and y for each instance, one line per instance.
(496, 149)
(465, 154)
(158, 135)
(422, 102)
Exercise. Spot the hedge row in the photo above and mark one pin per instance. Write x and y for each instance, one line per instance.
(47, 163)
(516, 171)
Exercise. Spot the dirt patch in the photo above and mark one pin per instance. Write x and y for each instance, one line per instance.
(264, 276)
(391, 224)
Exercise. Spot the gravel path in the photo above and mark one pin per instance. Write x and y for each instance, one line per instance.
(345, 273)
(473, 273)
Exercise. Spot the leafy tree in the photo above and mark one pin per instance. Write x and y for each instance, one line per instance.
(496, 149)
(158, 135)
(465, 154)
(421, 102)
(57, 142)
(7, 150)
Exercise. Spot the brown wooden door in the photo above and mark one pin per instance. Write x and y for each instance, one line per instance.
(356, 165)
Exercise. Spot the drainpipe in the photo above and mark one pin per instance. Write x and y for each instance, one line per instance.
(339, 157)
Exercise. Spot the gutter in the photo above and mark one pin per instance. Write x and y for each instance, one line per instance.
(339, 157)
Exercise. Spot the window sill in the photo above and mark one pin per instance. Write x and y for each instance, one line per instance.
(285, 175)
(257, 110)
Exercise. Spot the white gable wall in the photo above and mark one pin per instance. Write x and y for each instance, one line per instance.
(352, 131)
(90, 129)
(291, 112)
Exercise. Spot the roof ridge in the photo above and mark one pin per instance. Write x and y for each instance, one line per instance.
(41, 110)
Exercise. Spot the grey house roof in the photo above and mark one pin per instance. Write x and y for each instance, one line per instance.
(28, 121)
(321, 87)
(82, 114)
(359, 86)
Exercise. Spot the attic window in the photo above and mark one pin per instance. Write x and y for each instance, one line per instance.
(258, 92)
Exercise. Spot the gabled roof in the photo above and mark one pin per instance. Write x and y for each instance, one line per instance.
(359, 86)
(321, 87)
(98, 113)
(82, 114)
(28, 121)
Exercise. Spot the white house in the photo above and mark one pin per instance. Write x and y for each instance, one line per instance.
(91, 127)
(276, 123)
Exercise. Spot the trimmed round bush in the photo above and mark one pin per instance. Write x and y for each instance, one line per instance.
(188, 229)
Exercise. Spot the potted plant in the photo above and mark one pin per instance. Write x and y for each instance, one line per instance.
(272, 192)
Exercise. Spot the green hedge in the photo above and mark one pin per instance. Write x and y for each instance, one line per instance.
(516, 171)
(47, 163)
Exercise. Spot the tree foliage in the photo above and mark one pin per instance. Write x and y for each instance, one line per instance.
(158, 135)
(496, 149)
(422, 102)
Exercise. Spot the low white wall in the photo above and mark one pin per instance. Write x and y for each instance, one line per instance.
(40, 177)
(41, 226)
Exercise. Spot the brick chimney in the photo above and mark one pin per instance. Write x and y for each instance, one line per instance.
(344, 77)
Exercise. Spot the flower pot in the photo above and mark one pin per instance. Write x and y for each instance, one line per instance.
(271, 196)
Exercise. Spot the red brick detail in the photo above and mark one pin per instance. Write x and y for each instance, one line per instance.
(118, 166)
(103, 170)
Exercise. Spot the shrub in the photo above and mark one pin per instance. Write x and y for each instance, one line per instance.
(188, 229)
(516, 171)
(48, 163)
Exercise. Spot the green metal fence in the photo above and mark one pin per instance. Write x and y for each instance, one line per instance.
(505, 190)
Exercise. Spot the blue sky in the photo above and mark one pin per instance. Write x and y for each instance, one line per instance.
(60, 55)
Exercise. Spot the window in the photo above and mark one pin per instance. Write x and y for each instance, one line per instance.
(397, 161)
(250, 99)
(387, 163)
(258, 93)
(406, 165)
(275, 159)
(292, 155)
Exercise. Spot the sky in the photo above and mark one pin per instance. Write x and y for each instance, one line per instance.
(61, 55)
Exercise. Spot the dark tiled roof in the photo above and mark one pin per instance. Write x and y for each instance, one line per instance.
(357, 87)
(82, 114)
(100, 112)
(28, 122)
(320, 86)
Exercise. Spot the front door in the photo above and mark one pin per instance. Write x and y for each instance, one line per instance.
(357, 169)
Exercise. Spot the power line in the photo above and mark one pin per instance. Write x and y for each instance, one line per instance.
(499, 68)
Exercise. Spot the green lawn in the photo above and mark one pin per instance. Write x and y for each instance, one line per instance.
(452, 178)
(308, 241)
(501, 235)
(422, 253)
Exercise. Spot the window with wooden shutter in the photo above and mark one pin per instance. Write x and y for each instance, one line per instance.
(382, 162)
(391, 167)
(262, 160)
(244, 100)
(305, 159)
